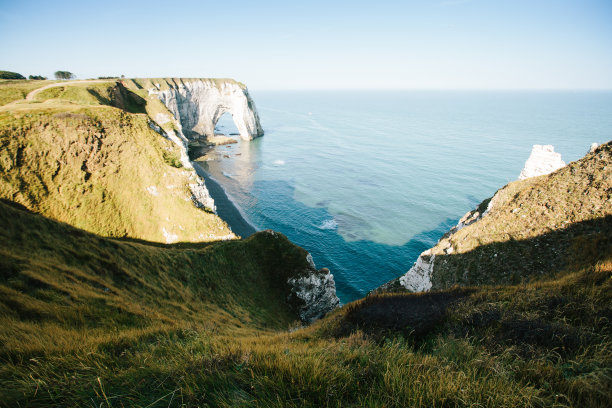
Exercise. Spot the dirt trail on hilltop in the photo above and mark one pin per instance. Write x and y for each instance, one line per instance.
(32, 94)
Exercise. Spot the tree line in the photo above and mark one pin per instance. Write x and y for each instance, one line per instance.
(16, 75)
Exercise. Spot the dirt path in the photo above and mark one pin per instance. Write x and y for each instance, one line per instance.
(32, 94)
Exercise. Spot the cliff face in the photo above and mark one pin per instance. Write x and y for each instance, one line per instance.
(198, 105)
(315, 290)
(528, 228)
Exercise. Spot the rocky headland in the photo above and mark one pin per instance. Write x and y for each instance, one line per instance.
(526, 228)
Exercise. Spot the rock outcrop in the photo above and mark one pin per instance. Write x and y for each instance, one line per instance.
(418, 278)
(543, 160)
(316, 290)
(198, 104)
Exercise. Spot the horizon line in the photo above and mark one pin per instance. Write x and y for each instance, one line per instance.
(441, 89)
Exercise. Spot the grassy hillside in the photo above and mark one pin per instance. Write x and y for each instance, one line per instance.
(87, 320)
(85, 154)
(15, 90)
(534, 228)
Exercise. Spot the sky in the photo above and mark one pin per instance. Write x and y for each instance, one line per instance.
(278, 45)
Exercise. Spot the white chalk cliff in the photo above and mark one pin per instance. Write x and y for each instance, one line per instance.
(198, 105)
(311, 293)
(418, 278)
(543, 160)
(316, 290)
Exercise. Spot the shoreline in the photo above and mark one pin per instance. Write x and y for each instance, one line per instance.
(226, 209)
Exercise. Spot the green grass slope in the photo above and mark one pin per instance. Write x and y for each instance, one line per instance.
(87, 320)
(66, 292)
(85, 154)
(15, 90)
(543, 344)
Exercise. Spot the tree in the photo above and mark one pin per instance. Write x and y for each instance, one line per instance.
(10, 75)
(64, 75)
(39, 77)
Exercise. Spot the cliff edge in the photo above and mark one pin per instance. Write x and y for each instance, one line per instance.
(529, 228)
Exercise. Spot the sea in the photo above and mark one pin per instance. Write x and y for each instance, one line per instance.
(367, 180)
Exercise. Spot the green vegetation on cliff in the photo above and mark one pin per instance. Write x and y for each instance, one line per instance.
(85, 154)
(11, 91)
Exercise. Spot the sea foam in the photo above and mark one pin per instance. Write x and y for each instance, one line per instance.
(328, 225)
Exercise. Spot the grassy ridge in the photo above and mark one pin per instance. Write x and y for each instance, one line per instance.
(535, 227)
(75, 157)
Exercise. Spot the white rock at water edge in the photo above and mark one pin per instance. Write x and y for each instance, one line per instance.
(418, 278)
(317, 290)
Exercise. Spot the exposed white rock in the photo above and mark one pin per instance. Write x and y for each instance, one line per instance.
(310, 261)
(593, 147)
(543, 160)
(199, 104)
(170, 238)
(162, 118)
(201, 197)
(156, 128)
(316, 290)
(418, 278)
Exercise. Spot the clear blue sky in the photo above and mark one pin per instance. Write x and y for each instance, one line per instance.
(439, 44)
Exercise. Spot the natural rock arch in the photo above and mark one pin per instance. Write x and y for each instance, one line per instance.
(199, 104)
(226, 125)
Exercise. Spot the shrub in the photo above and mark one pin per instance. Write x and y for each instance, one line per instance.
(64, 75)
(10, 75)
(172, 160)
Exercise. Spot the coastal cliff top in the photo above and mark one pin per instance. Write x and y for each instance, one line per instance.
(163, 84)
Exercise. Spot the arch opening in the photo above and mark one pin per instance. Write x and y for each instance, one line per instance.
(226, 126)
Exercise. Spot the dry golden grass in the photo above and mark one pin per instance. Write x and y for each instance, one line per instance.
(15, 90)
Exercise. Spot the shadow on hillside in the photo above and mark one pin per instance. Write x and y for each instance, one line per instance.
(122, 98)
(80, 232)
(519, 261)
(576, 248)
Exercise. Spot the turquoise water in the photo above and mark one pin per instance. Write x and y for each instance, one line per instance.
(365, 181)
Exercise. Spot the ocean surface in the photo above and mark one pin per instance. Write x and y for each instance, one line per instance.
(367, 180)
